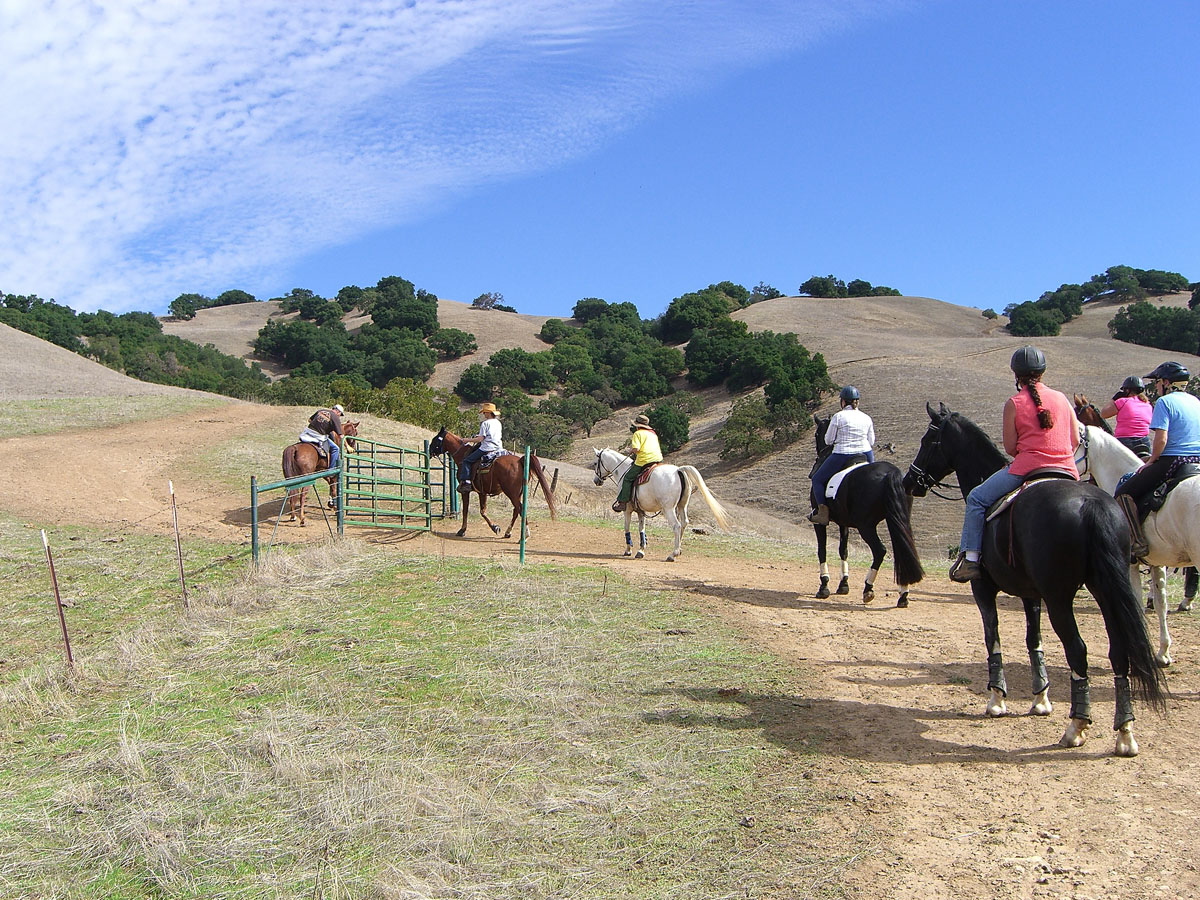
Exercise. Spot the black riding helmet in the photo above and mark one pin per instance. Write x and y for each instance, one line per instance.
(1171, 371)
(1133, 385)
(849, 393)
(1029, 360)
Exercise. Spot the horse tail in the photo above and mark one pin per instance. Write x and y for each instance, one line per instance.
(1108, 579)
(714, 505)
(290, 467)
(907, 563)
(536, 465)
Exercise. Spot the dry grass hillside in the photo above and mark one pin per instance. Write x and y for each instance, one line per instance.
(900, 351)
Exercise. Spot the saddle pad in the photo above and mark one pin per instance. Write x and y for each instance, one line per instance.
(308, 436)
(645, 474)
(1007, 500)
(836, 481)
(486, 463)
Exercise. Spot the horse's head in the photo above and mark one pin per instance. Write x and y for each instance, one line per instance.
(1086, 412)
(349, 433)
(932, 464)
(823, 449)
(438, 444)
(603, 469)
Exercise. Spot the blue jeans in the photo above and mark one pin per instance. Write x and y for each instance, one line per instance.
(833, 464)
(334, 453)
(978, 501)
(464, 467)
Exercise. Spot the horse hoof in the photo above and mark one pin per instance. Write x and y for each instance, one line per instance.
(843, 585)
(1164, 659)
(496, 530)
(902, 603)
(1185, 605)
(460, 533)
(868, 596)
(823, 591)
(627, 552)
(1041, 704)
(1126, 745)
(996, 707)
(1076, 733)
(639, 555)
(670, 559)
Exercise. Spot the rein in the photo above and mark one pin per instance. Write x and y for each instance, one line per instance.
(604, 476)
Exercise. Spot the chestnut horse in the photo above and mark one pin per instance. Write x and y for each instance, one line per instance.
(301, 458)
(506, 475)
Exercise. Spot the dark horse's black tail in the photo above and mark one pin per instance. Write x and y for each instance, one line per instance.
(1108, 580)
(904, 549)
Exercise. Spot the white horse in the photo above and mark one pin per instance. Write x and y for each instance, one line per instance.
(1170, 531)
(667, 490)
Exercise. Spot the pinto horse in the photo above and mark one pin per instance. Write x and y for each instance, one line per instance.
(506, 475)
(868, 495)
(1057, 535)
(302, 458)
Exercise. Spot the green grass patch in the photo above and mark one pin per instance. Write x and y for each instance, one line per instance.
(33, 417)
(351, 723)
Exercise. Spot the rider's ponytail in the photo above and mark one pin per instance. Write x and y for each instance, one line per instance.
(1045, 419)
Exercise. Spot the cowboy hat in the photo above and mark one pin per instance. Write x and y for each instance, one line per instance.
(640, 420)
(489, 408)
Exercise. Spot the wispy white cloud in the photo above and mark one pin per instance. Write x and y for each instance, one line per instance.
(150, 148)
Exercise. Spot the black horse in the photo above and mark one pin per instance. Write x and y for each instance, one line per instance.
(869, 495)
(1057, 535)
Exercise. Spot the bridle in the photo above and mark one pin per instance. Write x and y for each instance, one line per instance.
(603, 476)
(927, 482)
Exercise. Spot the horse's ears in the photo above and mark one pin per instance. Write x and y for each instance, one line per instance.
(933, 417)
(944, 410)
(594, 450)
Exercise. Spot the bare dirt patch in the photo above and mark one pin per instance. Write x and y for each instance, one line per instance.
(934, 800)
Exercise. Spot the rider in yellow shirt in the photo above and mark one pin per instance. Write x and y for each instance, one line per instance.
(644, 442)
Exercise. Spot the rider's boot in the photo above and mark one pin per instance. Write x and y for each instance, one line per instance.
(820, 515)
(1138, 546)
(618, 506)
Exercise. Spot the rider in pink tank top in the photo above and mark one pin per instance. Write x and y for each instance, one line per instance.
(1133, 417)
(1044, 448)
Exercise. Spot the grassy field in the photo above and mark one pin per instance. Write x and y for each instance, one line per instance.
(352, 723)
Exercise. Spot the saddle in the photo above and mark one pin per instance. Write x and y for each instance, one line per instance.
(997, 508)
(1154, 500)
(835, 483)
(485, 465)
(644, 476)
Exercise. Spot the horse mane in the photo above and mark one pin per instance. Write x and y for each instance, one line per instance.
(986, 454)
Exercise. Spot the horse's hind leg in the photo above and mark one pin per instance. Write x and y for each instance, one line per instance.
(822, 557)
(985, 599)
(1037, 657)
(1158, 590)
(516, 513)
(483, 499)
(628, 533)
(878, 552)
(1062, 617)
(641, 553)
(303, 491)
(676, 527)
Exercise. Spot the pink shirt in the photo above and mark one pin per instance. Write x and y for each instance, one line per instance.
(1133, 417)
(1044, 448)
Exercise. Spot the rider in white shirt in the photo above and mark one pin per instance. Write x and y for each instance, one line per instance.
(487, 441)
(851, 433)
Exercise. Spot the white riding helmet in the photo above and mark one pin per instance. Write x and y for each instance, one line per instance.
(337, 408)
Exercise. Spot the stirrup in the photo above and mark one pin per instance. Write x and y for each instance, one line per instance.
(618, 506)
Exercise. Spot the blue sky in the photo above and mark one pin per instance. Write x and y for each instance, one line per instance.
(550, 150)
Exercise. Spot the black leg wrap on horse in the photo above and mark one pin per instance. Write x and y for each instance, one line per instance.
(1124, 698)
(996, 680)
(1081, 700)
(1037, 665)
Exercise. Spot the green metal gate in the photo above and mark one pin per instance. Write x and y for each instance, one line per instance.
(385, 486)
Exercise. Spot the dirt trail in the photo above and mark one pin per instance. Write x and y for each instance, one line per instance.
(941, 802)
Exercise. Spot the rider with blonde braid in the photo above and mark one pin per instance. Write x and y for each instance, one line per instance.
(1040, 432)
(1133, 411)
